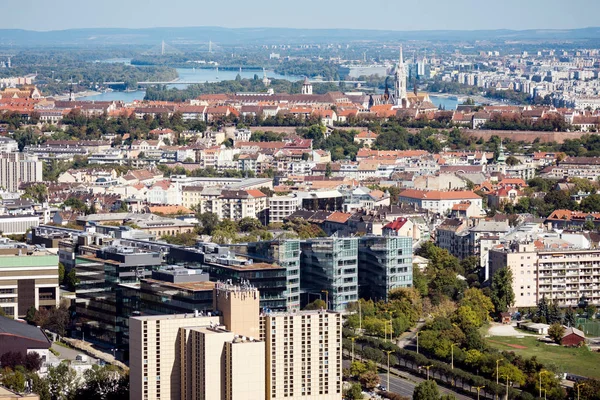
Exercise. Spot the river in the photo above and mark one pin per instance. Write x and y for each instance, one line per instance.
(186, 75)
(211, 75)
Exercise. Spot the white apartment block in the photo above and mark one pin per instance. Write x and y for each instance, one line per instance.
(17, 168)
(281, 207)
(563, 275)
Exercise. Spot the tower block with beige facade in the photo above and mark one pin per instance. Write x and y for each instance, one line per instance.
(239, 354)
(240, 308)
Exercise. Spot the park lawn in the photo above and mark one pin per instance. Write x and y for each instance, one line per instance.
(578, 361)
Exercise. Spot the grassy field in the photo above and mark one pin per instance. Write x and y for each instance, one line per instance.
(578, 361)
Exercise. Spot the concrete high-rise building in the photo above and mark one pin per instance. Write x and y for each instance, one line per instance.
(304, 355)
(17, 168)
(384, 263)
(295, 355)
(188, 356)
(239, 308)
(330, 266)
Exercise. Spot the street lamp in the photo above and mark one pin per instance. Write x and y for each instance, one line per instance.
(497, 365)
(427, 368)
(391, 329)
(542, 372)
(506, 376)
(578, 386)
(326, 298)
(388, 369)
(545, 393)
(452, 352)
(352, 339)
(478, 389)
(418, 341)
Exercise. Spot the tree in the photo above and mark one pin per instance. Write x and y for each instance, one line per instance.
(30, 316)
(502, 293)
(328, 170)
(427, 390)
(556, 332)
(71, 280)
(33, 361)
(61, 273)
(13, 379)
(12, 359)
(62, 381)
(318, 304)
(102, 383)
(37, 192)
(515, 375)
(369, 379)
(208, 222)
(479, 303)
(570, 319)
(420, 281)
(354, 392)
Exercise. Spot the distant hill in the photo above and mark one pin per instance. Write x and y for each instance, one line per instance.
(224, 36)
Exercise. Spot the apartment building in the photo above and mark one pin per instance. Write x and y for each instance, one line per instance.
(564, 274)
(17, 168)
(330, 265)
(437, 201)
(229, 204)
(384, 264)
(521, 259)
(281, 207)
(304, 355)
(28, 278)
(239, 354)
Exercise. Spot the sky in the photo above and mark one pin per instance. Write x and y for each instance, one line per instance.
(42, 15)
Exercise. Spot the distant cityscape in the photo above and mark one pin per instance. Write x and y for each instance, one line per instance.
(300, 218)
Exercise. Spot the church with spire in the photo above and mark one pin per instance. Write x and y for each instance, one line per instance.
(401, 97)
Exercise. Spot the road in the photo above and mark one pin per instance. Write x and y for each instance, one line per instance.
(405, 385)
(69, 353)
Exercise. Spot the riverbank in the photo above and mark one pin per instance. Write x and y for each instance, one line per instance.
(77, 95)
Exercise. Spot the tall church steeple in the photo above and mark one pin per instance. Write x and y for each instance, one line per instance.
(400, 84)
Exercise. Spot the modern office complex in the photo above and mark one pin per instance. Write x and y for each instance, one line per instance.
(384, 263)
(100, 272)
(239, 354)
(330, 265)
(285, 253)
(223, 265)
(27, 280)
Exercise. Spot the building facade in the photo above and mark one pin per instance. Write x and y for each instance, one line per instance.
(330, 266)
(28, 281)
(384, 264)
(17, 168)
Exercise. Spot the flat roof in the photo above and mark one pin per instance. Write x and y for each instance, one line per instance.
(46, 260)
(204, 285)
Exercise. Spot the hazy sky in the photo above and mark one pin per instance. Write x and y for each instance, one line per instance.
(360, 14)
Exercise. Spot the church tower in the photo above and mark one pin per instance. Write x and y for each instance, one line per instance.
(400, 84)
(307, 87)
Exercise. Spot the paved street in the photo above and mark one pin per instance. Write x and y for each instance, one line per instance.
(68, 353)
(405, 384)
